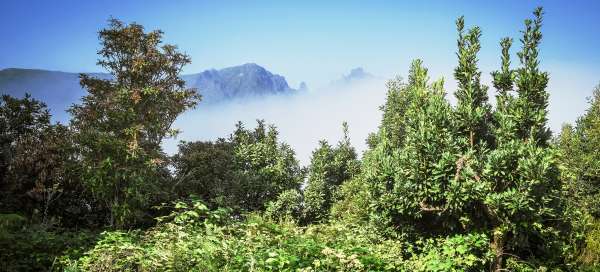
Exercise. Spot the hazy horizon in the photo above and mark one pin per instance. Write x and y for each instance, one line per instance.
(316, 43)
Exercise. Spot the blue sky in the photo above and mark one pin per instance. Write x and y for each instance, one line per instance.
(314, 41)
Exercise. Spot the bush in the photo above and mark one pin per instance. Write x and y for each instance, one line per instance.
(193, 238)
(287, 206)
(590, 256)
(33, 248)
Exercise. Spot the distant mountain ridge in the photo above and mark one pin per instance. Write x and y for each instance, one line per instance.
(59, 90)
(242, 81)
(357, 74)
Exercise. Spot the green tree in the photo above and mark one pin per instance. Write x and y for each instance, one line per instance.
(523, 206)
(288, 205)
(473, 113)
(245, 172)
(329, 168)
(579, 147)
(412, 182)
(206, 169)
(264, 166)
(446, 171)
(122, 121)
(40, 172)
(20, 120)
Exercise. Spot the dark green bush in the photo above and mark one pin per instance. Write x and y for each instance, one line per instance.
(34, 248)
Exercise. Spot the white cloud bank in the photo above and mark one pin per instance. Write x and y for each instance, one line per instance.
(302, 119)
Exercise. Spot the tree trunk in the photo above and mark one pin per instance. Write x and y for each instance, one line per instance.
(472, 138)
(498, 248)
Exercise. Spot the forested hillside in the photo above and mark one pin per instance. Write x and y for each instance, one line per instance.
(471, 186)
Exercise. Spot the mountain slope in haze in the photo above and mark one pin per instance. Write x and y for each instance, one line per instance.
(59, 90)
(356, 75)
(248, 80)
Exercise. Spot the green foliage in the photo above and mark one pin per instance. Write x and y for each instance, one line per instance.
(122, 122)
(266, 167)
(531, 105)
(449, 170)
(590, 255)
(354, 204)
(35, 248)
(456, 253)
(392, 123)
(414, 182)
(581, 172)
(579, 146)
(19, 119)
(11, 222)
(473, 113)
(441, 188)
(525, 206)
(245, 172)
(330, 167)
(207, 169)
(193, 238)
(40, 169)
(288, 206)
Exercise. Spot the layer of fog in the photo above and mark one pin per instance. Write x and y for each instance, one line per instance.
(305, 118)
(302, 119)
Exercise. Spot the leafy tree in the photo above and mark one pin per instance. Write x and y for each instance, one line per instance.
(579, 146)
(524, 205)
(206, 169)
(288, 205)
(329, 168)
(473, 113)
(412, 182)
(244, 172)
(40, 177)
(18, 118)
(392, 123)
(122, 121)
(448, 170)
(264, 166)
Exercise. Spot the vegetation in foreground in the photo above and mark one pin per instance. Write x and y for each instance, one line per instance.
(470, 187)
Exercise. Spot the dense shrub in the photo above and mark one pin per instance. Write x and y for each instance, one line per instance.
(244, 172)
(329, 168)
(288, 205)
(26, 247)
(193, 238)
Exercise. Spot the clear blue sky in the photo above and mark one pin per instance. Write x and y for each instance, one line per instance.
(313, 41)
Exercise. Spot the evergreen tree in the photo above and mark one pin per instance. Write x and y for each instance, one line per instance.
(21, 120)
(455, 170)
(531, 105)
(329, 168)
(579, 147)
(264, 166)
(411, 182)
(472, 112)
(244, 172)
(206, 169)
(523, 206)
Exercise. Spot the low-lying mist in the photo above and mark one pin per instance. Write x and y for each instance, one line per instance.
(302, 119)
(305, 118)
